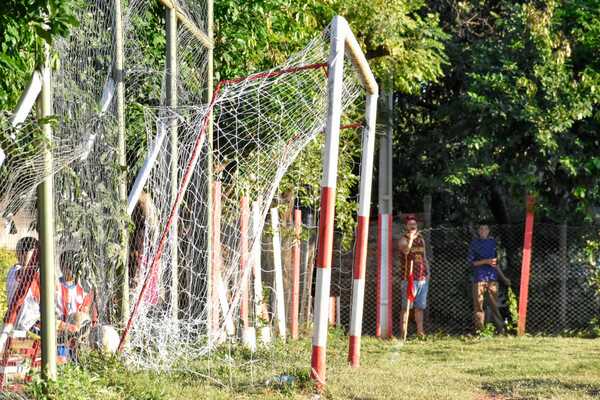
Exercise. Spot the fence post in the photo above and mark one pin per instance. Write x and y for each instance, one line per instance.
(525, 265)
(46, 231)
(244, 222)
(279, 297)
(308, 268)
(563, 274)
(384, 236)
(296, 272)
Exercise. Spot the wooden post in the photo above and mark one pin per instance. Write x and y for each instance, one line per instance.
(46, 231)
(525, 266)
(564, 264)
(308, 262)
(296, 272)
(244, 222)
(171, 80)
(117, 75)
(279, 297)
(209, 160)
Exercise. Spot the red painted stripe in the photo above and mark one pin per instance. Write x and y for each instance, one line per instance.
(525, 265)
(389, 273)
(354, 351)
(378, 291)
(318, 365)
(360, 253)
(326, 227)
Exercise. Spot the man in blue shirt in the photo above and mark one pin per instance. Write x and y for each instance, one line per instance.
(484, 260)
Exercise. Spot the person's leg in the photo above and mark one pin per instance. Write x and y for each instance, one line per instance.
(422, 288)
(492, 289)
(478, 313)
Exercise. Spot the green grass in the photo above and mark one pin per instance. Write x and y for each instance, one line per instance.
(438, 368)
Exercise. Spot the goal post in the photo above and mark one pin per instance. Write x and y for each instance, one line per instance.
(342, 39)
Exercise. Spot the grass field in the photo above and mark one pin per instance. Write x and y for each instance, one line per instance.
(437, 368)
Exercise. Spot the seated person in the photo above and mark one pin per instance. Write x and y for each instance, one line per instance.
(73, 305)
(25, 249)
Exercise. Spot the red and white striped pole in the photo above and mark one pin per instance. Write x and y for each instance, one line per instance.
(362, 233)
(244, 221)
(296, 272)
(335, 82)
(383, 327)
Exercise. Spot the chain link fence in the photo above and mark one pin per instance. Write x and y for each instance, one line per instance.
(563, 289)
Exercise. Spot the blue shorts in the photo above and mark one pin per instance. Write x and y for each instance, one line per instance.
(421, 288)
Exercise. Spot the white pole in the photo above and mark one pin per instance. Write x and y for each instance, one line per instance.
(335, 83)
(362, 233)
(27, 99)
(142, 176)
(279, 299)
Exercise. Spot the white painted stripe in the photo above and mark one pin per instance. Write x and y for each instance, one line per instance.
(358, 296)
(2, 156)
(335, 83)
(108, 92)
(321, 318)
(27, 99)
(279, 298)
(383, 277)
(142, 177)
(366, 164)
(222, 292)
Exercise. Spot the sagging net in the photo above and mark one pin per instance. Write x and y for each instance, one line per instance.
(184, 290)
(187, 299)
(90, 217)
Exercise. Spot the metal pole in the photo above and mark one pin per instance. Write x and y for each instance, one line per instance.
(362, 232)
(171, 18)
(209, 160)
(46, 232)
(120, 88)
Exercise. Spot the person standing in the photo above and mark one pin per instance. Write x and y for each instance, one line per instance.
(483, 258)
(415, 274)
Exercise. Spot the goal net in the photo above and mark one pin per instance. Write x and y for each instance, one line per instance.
(201, 176)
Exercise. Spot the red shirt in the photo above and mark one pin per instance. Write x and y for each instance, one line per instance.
(417, 256)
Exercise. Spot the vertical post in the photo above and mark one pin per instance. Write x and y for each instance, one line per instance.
(209, 159)
(308, 271)
(427, 220)
(122, 155)
(525, 266)
(244, 220)
(256, 261)
(564, 264)
(171, 78)
(385, 226)
(279, 298)
(46, 231)
(362, 233)
(328, 186)
(296, 272)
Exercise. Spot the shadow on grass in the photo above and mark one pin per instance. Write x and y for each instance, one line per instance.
(525, 389)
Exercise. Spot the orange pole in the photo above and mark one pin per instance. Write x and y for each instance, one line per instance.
(526, 264)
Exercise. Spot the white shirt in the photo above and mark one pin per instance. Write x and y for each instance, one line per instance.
(11, 282)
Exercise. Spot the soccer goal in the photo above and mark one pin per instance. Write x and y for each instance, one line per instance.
(252, 130)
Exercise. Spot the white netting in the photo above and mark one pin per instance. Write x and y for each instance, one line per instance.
(261, 124)
(191, 300)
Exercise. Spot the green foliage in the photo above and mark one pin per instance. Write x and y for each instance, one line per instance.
(513, 310)
(7, 260)
(24, 26)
